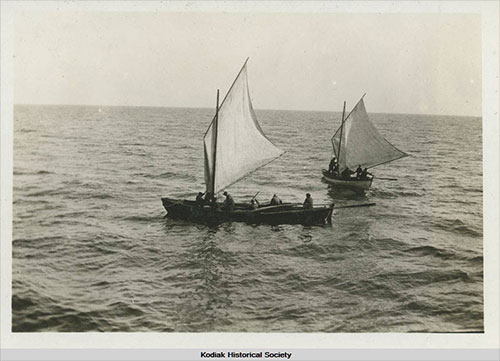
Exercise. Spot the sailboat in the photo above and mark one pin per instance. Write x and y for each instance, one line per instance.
(235, 146)
(358, 145)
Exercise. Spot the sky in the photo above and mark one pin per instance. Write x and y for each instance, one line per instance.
(406, 63)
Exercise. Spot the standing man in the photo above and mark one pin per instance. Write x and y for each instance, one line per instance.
(332, 165)
(359, 170)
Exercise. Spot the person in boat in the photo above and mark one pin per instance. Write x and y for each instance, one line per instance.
(308, 202)
(346, 174)
(228, 203)
(333, 165)
(364, 174)
(208, 198)
(359, 170)
(254, 204)
(275, 201)
(199, 199)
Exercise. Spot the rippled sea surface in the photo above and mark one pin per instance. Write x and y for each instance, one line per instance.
(92, 250)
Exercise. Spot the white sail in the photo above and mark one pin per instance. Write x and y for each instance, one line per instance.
(361, 143)
(240, 147)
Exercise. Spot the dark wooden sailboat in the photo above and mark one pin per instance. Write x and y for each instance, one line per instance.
(235, 146)
(357, 143)
(280, 214)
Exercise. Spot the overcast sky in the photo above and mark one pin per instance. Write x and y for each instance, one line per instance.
(423, 63)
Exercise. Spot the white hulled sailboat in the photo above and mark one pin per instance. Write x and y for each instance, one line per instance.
(358, 144)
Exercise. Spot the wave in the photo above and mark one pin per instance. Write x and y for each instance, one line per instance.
(35, 242)
(24, 172)
(478, 260)
(455, 226)
(32, 313)
(100, 196)
(473, 190)
(164, 175)
(415, 279)
(49, 192)
(469, 317)
(408, 194)
(383, 194)
(136, 218)
(131, 144)
(309, 250)
(90, 195)
(101, 284)
(443, 254)
(369, 287)
(431, 251)
(168, 175)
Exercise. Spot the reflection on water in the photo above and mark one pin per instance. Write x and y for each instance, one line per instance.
(213, 268)
(306, 234)
(277, 228)
(343, 193)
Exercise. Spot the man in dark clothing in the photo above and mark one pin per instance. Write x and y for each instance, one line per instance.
(346, 174)
(332, 165)
(308, 203)
(228, 203)
(275, 200)
(254, 204)
(359, 171)
(199, 199)
(364, 174)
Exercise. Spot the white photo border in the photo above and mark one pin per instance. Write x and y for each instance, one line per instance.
(488, 10)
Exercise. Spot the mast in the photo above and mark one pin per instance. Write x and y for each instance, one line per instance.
(341, 128)
(215, 146)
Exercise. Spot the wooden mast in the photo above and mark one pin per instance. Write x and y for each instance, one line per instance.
(216, 121)
(341, 129)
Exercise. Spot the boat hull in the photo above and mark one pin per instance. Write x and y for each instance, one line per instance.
(358, 184)
(282, 214)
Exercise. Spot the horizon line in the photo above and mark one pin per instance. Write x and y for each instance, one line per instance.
(272, 109)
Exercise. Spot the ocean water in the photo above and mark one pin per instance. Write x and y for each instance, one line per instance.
(92, 250)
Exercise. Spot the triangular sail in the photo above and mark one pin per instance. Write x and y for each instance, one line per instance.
(241, 145)
(361, 143)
